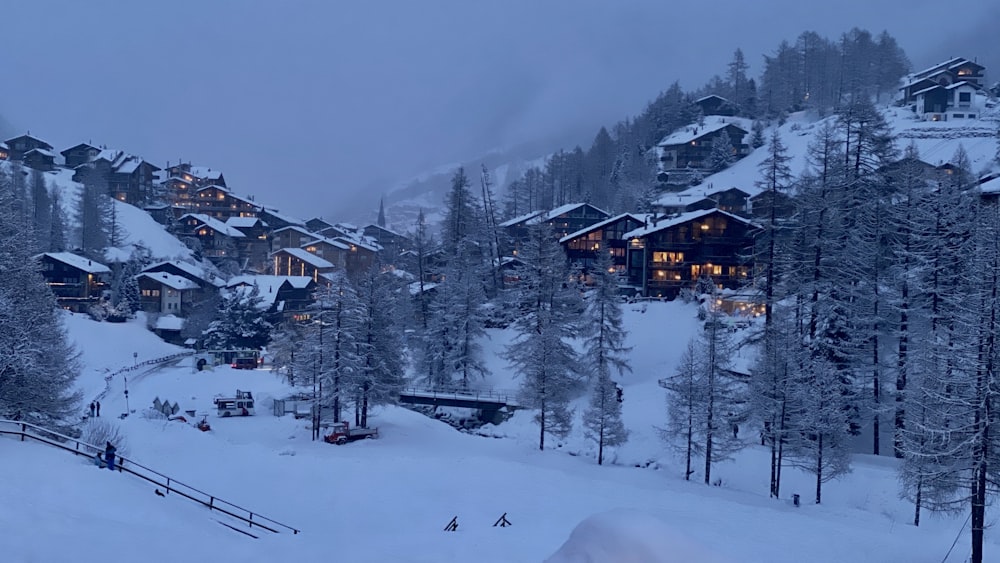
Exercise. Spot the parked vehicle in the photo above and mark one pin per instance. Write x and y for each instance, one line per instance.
(341, 433)
(244, 363)
(240, 405)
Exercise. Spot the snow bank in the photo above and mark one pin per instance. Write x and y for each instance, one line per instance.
(629, 536)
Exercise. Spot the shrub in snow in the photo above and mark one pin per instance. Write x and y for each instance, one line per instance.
(99, 431)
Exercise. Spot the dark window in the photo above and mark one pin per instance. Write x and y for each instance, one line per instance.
(965, 97)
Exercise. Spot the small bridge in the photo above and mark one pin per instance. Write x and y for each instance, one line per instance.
(488, 401)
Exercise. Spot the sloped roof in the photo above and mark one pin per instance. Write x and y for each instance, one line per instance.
(32, 137)
(333, 242)
(244, 222)
(710, 124)
(297, 229)
(42, 152)
(205, 173)
(215, 224)
(640, 217)
(78, 145)
(269, 286)
(520, 219)
(307, 257)
(194, 270)
(170, 280)
(169, 322)
(366, 245)
(286, 218)
(679, 220)
(78, 262)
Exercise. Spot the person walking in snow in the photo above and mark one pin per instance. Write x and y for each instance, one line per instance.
(98, 404)
(92, 409)
(109, 456)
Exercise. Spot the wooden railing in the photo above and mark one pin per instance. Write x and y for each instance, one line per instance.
(75, 446)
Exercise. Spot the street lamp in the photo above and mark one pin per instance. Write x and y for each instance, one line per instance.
(126, 395)
(135, 359)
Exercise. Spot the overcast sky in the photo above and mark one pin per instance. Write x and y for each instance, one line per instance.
(305, 104)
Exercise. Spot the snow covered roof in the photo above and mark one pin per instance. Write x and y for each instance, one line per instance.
(286, 218)
(31, 137)
(332, 242)
(520, 219)
(245, 222)
(268, 286)
(950, 63)
(381, 228)
(172, 281)
(641, 217)
(215, 224)
(78, 262)
(42, 152)
(925, 90)
(192, 269)
(959, 85)
(680, 199)
(679, 220)
(79, 145)
(356, 242)
(169, 322)
(991, 186)
(709, 97)
(307, 257)
(710, 124)
(297, 229)
(205, 173)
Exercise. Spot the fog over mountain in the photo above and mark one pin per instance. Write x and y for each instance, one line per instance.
(319, 107)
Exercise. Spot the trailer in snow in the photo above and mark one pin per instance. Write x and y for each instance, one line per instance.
(342, 433)
(240, 405)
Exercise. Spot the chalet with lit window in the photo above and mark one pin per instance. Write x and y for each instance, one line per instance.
(292, 236)
(218, 241)
(316, 224)
(255, 246)
(670, 254)
(4, 151)
(77, 282)
(331, 250)
(564, 220)
(299, 262)
(79, 154)
(585, 246)
(218, 202)
(948, 90)
(130, 178)
(169, 294)
(19, 146)
(360, 256)
(686, 153)
(283, 298)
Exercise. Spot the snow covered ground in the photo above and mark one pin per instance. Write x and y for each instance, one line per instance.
(389, 499)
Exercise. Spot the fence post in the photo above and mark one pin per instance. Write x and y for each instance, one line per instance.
(211, 501)
(168, 485)
(24, 430)
(251, 520)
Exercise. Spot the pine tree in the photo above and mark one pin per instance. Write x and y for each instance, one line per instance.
(462, 216)
(722, 155)
(39, 365)
(605, 351)
(685, 392)
(240, 324)
(737, 81)
(757, 139)
(41, 210)
(93, 211)
(57, 235)
(379, 377)
(541, 353)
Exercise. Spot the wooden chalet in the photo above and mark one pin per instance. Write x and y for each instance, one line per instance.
(40, 159)
(130, 178)
(160, 292)
(4, 151)
(392, 242)
(17, 147)
(668, 255)
(277, 220)
(206, 281)
(564, 220)
(947, 90)
(688, 150)
(292, 236)
(760, 206)
(255, 246)
(76, 281)
(299, 262)
(218, 202)
(716, 105)
(79, 154)
(283, 298)
(316, 224)
(360, 256)
(331, 250)
(585, 246)
(218, 240)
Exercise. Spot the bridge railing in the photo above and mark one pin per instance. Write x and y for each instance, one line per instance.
(488, 394)
(26, 431)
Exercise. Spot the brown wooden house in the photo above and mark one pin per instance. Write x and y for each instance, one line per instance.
(218, 240)
(76, 281)
(40, 159)
(688, 150)
(160, 292)
(299, 262)
(333, 251)
(79, 154)
(17, 147)
(292, 236)
(585, 246)
(283, 298)
(668, 255)
(255, 246)
(713, 104)
(4, 151)
(564, 220)
(218, 202)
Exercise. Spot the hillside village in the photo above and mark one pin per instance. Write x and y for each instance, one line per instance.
(687, 253)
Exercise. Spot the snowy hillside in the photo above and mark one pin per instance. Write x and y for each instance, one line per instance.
(389, 499)
(936, 142)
